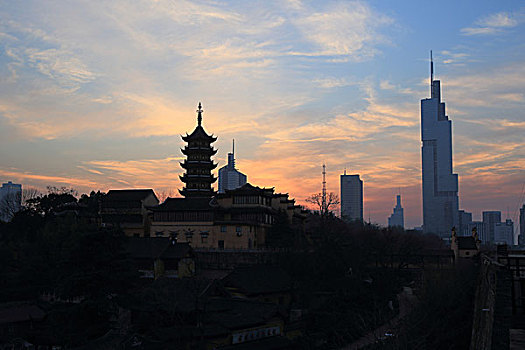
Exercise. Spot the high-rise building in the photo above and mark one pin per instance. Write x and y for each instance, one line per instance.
(10, 200)
(229, 177)
(351, 197)
(397, 218)
(521, 237)
(481, 229)
(440, 184)
(504, 232)
(198, 164)
(491, 218)
(464, 218)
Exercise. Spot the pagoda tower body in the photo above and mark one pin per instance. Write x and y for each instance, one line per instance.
(198, 178)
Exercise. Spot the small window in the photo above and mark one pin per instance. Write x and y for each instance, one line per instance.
(204, 239)
(221, 245)
(223, 228)
(467, 253)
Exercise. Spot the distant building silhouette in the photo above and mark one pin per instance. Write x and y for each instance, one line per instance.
(490, 219)
(397, 218)
(198, 164)
(521, 237)
(464, 218)
(481, 229)
(440, 184)
(504, 232)
(10, 200)
(351, 197)
(229, 177)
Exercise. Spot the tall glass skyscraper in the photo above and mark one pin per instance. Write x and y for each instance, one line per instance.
(440, 185)
(229, 177)
(351, 197)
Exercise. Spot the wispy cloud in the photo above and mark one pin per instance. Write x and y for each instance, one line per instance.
(493, 24)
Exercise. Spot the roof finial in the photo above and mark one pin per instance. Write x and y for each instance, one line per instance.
(199, 114)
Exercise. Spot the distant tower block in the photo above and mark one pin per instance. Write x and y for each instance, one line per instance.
(351, 197)
(397, 217)
(229, 177)
(440, 184)
(198, 164)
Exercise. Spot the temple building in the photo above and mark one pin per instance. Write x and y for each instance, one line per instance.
(198, 164)
(238, 218)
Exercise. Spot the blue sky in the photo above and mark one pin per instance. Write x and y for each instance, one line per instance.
(93, 94)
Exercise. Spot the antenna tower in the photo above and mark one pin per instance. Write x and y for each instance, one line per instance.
(323, 198)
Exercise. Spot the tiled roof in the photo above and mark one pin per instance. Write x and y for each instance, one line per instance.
(258, 279)
(156, 247)
(129, 195)
(20, 313)
(179, 204)
(467, 243)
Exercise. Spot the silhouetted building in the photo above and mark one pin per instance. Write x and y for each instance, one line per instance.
(397, 218)
(128, 209)
(161, 257)
(237, 219)
(464, 218)
(465, 246)
(229, 177)
(490, 219)
(10, 200)
(351, 197)
(198, 164)
(521, 237)
(504, 232)
(440, 184)
(481, 229)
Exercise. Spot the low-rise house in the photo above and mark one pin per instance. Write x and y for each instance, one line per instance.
(17, 320)
(128, 209)
(260, 282)
(161, 257)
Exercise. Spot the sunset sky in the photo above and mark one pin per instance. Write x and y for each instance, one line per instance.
(94, 94)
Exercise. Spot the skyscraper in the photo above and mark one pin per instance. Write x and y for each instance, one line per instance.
(440, 185)
(490, 219)
(397, 218)
(351, 197)
(504, 232)
(521, 237)
(229, 177)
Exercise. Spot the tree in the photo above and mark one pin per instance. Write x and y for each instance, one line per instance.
(325, 204)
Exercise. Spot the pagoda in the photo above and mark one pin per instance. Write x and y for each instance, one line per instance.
(198, 164)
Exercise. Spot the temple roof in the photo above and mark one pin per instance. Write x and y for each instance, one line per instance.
(184, 204)
(199, 133)
(129, 194)
(467, 243)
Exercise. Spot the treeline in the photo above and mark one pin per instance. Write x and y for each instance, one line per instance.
(342, 279)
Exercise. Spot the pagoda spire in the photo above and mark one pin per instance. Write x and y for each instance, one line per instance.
(199, 114)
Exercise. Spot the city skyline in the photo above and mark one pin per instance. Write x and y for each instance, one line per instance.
(95, 96)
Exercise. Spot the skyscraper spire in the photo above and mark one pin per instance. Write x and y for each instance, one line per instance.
(233, 147)
(431, 71)
(199, 115)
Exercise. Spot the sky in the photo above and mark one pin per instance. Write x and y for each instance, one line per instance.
(94, 95)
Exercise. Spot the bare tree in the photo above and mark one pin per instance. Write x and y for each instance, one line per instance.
(166, 193)
(326, 204)
(29, 193)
